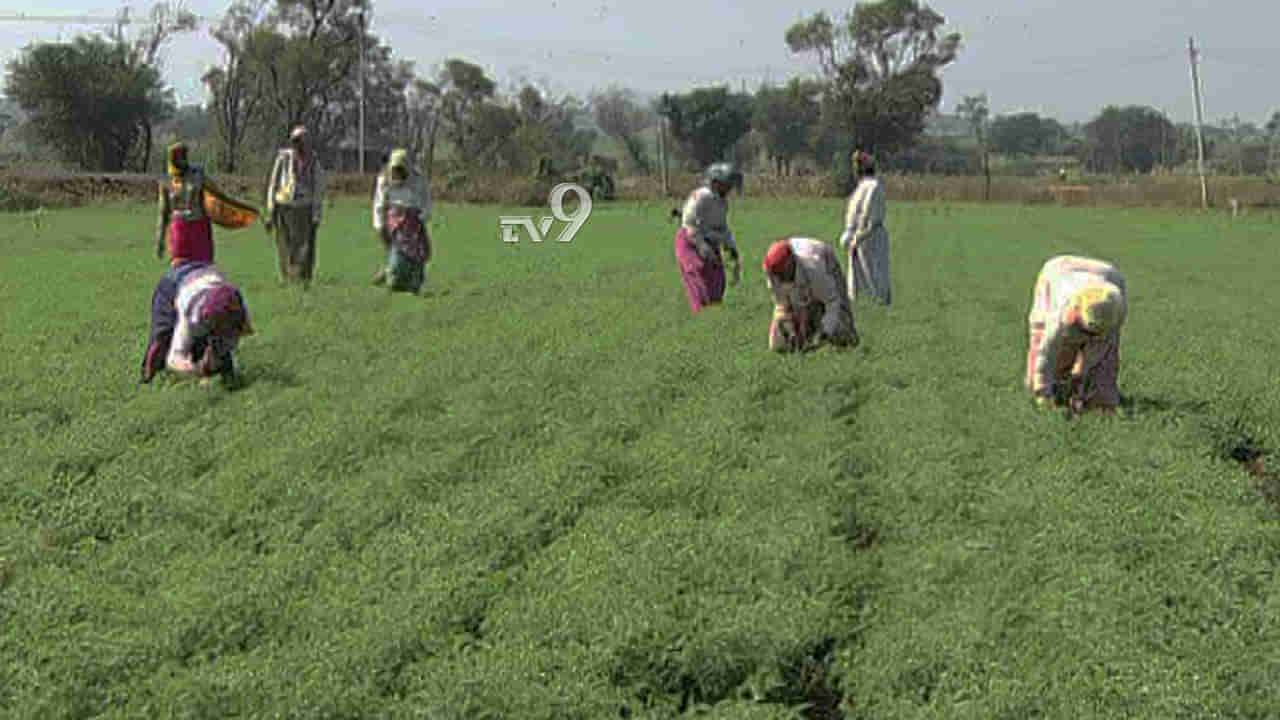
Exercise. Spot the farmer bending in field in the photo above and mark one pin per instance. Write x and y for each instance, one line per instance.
(188, 230)
(1078, 309)
(865, 239)
(704, 230)
(810, 305)
(206, 317)
(401, 208)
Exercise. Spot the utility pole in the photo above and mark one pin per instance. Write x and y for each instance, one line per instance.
(1273, 161)
(662, 151)
(1195, 91)
(361, 90)
(121, 19)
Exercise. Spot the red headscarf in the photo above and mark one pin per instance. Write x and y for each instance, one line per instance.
(225, 300)
(778, 257)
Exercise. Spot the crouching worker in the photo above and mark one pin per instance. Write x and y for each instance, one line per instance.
(810, 304)
(1078, 308)
(197, 320)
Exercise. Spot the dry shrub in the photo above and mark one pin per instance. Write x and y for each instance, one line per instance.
(62, 189)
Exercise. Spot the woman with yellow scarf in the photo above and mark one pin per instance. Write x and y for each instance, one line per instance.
(401, 210)
(1078, 309)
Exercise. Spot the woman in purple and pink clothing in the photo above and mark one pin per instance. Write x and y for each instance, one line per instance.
(704, 230)
(203, 316)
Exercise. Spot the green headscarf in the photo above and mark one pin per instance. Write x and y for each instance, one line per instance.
(399, 158)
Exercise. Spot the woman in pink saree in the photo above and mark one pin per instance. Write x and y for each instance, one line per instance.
(704, 232)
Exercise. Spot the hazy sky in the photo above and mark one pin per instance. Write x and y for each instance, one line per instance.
(1063, 59)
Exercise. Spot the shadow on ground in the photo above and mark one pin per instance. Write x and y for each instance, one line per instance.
(1147, 405)
(265, 374)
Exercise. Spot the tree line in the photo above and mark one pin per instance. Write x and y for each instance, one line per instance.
(98, 102)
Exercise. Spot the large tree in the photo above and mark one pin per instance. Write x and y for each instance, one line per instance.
(420, 124)
(89, 100)
(1273, 142)
(787, 118)
(548, 128)
(387, 80)
(238, 84)
(1025, 134)
(707, 122)
(1129, 139)
(621, 116)
(309, 63)
(166, 20)
(464, 90)
(975, 109)
(881, 65)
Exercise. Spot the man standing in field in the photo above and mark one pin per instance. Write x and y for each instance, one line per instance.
(1078, 308)
(810, 306)
(865, 239)
(295, 202)
(704, 230)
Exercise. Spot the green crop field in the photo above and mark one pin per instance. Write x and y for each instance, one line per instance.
(545, 490)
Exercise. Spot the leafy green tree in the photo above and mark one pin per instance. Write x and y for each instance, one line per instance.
(308, 59)
(621, 116)
(549, 127)
(464, 88)
(1273, 143)
(1128, 139)
(420, 123)
(89, 100)
(707, 122)
(881, 65)
(975, 109)
(1021, 134)
(238, 84)
(165, 20)
(787, 118)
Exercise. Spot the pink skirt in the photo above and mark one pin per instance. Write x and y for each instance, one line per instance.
(190, 241)
(704, 280)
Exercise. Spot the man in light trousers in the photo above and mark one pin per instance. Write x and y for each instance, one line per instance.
(865, 239)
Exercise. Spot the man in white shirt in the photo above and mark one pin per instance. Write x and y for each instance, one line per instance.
(865, 239)
(295, 205)
(810, 305)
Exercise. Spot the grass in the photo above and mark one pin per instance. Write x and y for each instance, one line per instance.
(547, 491)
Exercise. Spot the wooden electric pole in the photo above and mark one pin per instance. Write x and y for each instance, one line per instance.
(662, 151)
(361, 67)
(1195, 91)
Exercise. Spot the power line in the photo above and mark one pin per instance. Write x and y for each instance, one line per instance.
(123, 19)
